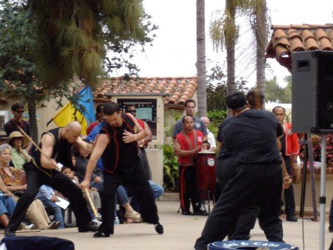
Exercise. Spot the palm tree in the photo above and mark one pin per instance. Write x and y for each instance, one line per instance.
(201, 58)
(225, 33)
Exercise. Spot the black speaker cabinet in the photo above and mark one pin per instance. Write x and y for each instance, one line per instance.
(312, 92)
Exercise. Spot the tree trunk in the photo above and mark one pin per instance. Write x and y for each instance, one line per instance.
(230, 47)
(261, 37)
(32, 113)
(201, 59)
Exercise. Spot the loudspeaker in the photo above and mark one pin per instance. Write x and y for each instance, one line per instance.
(312, 92)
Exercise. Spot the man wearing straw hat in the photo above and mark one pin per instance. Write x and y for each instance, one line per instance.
(55, 147)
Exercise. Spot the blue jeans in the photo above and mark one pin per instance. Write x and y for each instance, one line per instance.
(7, 205)
(158, 190)
(55, 210)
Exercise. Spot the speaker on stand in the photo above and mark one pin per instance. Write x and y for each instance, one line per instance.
(312, 108)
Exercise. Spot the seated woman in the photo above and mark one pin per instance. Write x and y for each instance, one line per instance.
(11, 177)
(19, 154)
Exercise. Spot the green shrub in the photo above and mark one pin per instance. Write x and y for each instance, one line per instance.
(170, 169)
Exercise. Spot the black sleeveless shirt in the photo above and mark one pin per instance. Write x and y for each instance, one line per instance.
(62, 152)
(118, 153)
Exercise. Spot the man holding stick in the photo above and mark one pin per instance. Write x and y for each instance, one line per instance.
(55, 147)
(117, 144)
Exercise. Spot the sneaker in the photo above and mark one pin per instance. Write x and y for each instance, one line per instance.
(29, 227)
(101, 235)
(87, 228)
(159, 228)
(96, 222)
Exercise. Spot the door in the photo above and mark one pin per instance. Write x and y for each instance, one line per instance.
(3, 119)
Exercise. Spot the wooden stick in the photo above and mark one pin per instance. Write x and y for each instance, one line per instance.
(90, 202)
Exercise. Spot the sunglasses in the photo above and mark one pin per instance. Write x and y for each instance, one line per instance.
(131, 111)
(19, 111)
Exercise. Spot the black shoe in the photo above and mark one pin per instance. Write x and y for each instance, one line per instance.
(186, 213)
(200, 212)
(159, 228)
(9, 232)
(101, 235)
(87, 228)
(291, 218)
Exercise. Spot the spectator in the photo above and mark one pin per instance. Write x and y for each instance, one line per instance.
(11, 177)
(48, 196)
(17, 121)
(289, 150)
(198, 123)
(210, 136)
(99, 117)
(3, 137)
(19, 154)
(187, 144)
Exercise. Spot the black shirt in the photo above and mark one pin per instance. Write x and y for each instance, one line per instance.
(12, 126)
(223, 151)
(251, 136)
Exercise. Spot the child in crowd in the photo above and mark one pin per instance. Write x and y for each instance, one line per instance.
(48, 196)
(93, 192)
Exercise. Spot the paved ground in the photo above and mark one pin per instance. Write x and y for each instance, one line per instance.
(180, 233)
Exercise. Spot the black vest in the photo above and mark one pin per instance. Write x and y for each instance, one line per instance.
(118, 153)
(62, 152)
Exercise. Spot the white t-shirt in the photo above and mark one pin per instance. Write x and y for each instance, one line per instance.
(211, 139)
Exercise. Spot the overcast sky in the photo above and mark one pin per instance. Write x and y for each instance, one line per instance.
(174, 50)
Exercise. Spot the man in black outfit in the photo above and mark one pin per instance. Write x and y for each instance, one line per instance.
(251, 136)
(56, 145)
(117, 144)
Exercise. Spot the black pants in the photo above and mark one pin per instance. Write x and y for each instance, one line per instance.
(260, 183)
(133, 177)
(58, 181)
(289, 193)
(226, 168)
(188, 188)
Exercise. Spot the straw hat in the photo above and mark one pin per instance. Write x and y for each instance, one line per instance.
(17, 134)
(3, 135)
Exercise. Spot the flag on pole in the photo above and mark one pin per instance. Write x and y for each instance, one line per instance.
(70, 113)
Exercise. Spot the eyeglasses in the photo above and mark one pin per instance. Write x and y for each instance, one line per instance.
(131, 111)
(19, 111)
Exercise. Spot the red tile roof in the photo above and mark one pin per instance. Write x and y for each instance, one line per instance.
(179, 89)
(289, 38)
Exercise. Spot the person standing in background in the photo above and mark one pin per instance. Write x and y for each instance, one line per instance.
(289, 150)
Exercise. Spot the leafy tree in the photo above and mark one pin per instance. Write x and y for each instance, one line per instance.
(38, 60)
(225, 33)
(275, 93)
(217, 89)
(74, 36)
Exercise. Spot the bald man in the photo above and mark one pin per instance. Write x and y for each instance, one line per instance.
(56, 145)
(210, 136)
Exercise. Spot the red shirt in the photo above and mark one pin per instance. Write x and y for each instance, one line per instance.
(189, 142)
(292, 146)
(91, 127)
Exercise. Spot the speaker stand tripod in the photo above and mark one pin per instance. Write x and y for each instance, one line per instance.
(322, 198)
